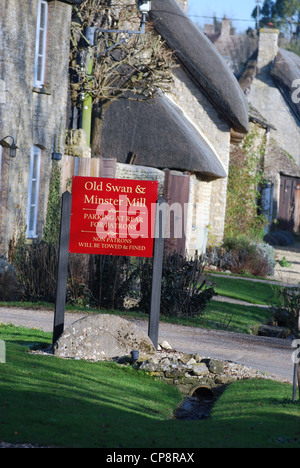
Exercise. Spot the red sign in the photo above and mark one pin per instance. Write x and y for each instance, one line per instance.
(113, 216)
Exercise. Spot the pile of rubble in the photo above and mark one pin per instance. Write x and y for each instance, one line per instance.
(190, 372)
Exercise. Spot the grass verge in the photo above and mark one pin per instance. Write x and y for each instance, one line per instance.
(67, 403)
(234, 317)
(254, 292)
(217, 315)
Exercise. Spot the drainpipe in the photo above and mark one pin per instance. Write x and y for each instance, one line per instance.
(87, 105)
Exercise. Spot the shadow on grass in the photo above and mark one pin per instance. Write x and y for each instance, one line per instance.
(44, 418)
(46, 400)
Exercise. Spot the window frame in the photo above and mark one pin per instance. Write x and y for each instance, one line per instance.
(33, 201)
(40, 55)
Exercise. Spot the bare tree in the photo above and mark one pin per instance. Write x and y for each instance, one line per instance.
(121, 62)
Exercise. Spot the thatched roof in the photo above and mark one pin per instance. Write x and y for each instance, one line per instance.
(157, 134)
(285, 71)
(256, 117)
(202, 60)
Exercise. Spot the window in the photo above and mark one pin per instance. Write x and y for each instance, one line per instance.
(40, 47)
(33, 193)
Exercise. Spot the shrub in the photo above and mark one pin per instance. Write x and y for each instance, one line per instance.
(112, 280)
(78, 277)
(286, 310)
(282, 238)
(36, 269)
(36, 266)
(242, 255)
(185, 290)
(267, 253)
(9, 287)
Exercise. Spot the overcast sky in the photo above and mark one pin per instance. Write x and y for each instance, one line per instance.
(237, 9)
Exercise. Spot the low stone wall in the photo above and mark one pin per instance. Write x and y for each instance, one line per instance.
(191, 373)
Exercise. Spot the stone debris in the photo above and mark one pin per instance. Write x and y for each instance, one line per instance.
(190, 371)
(177, 362)
(165, 345)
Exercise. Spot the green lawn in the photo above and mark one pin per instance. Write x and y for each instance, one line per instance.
(234, 317)
(245, 290)
(69, 403)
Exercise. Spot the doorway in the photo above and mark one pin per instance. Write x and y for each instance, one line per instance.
(289, 203)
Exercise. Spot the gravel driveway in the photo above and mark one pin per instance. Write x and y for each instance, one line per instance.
(270, 355)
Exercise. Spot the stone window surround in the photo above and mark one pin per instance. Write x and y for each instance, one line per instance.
(33, 199)
(40, 55)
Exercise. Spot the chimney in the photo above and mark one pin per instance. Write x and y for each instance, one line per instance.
(209, 29)
(183, 4)
(226, 28)
(267, 48)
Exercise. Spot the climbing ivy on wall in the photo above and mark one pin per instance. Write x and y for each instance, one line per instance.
(52, 223)
(244, 180)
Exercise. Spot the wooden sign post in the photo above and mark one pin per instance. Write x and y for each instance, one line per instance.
(110, 217)
(62, 269)
(157, 275)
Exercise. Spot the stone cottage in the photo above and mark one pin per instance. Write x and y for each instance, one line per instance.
(34, 60)
(235, 49)
(182, 138)
(268, 82)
